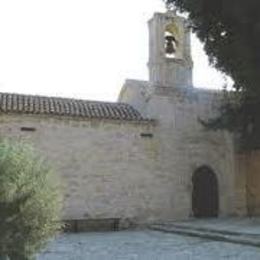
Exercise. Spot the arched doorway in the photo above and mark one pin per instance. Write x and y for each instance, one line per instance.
(204, 193)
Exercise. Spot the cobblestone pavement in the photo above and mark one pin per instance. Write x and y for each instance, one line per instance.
(143, 245)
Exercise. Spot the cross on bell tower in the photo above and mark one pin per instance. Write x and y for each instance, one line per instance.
(170, 63)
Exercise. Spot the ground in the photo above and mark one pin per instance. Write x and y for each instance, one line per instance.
(143, 245)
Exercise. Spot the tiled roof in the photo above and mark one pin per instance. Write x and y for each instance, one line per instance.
(29, 104)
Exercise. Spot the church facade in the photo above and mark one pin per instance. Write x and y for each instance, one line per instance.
(145, 158)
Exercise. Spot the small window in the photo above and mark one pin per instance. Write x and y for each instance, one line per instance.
(28, 129)
(146, 135)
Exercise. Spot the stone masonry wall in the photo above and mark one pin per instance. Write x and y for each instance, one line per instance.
(108, 170)
(248, 165)
(186, 145)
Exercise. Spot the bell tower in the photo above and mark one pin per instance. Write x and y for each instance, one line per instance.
(170, 63)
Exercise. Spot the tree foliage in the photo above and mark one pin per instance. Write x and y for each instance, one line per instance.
(230, 31)
(30, 201)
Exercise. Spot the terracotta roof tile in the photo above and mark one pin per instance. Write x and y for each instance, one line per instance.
(29, 104)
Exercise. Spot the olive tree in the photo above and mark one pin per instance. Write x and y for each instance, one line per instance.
(30, 201)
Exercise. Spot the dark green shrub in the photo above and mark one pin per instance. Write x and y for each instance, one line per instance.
(30, 201)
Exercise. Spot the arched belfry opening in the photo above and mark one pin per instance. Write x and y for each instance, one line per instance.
(205, 196)
(171, 37)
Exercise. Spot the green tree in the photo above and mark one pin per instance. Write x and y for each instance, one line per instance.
(230, 31)
(30, 201)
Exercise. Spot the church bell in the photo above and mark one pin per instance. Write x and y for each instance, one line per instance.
(170, 44)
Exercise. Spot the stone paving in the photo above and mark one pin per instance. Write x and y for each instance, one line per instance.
(236, 230)
(143, 245)
(250, 226)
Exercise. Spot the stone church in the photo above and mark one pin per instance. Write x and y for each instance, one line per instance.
(145, 158)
